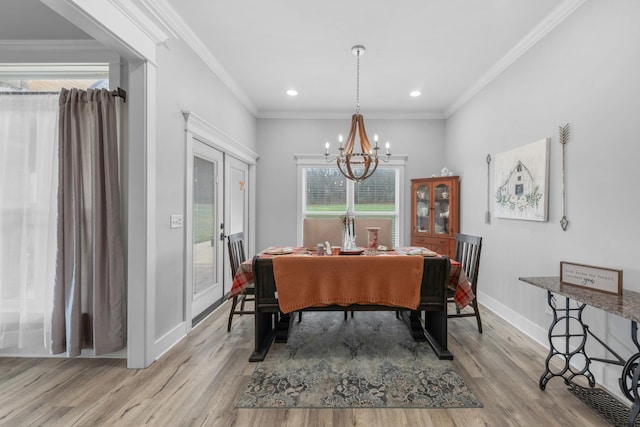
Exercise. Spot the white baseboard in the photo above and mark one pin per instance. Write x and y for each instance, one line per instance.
(171, 338)
(515, 319)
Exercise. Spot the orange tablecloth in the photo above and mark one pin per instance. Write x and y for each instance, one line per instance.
(458, 281)
(342, 280)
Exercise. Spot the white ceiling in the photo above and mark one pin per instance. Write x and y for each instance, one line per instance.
(448, 49)
(32, 20)
(440, 47)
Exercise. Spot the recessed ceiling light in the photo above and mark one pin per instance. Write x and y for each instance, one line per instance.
(415, 93)
(292, 92)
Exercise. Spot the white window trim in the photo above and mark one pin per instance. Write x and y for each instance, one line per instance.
(59, 71)
(397, 161)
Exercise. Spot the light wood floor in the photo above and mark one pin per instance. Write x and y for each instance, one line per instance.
(198, 381)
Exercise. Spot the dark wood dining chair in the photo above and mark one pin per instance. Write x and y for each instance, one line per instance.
(468, 254)
(237, 257)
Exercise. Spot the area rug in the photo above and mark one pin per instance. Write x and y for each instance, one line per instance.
(369, 360)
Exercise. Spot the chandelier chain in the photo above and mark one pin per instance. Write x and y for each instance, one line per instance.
(358, 82)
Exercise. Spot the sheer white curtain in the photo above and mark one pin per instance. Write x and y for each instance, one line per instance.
(28, 181)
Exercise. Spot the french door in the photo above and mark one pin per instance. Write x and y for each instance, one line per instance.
(236, 205)
(207, 207)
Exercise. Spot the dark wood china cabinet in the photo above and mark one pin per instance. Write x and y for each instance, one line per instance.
(435, 213)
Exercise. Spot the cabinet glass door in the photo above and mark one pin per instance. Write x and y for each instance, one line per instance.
(422, 196)
(441, 209)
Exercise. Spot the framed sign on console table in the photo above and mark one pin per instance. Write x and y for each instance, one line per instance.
(595, 278)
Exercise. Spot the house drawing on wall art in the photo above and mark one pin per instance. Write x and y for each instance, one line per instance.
(521, 179)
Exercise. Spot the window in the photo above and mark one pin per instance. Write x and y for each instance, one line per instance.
(52, 77)
(326, 193)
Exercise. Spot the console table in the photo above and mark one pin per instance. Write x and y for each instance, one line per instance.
(567, 325)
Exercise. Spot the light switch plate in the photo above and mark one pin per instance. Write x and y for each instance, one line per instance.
(176, 221)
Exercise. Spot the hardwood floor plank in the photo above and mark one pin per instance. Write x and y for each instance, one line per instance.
(198, 382)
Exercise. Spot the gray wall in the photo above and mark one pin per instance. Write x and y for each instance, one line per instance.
(280, 139)
(585, 72)
(184, 83)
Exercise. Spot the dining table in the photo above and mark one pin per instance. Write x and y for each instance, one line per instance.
(412, 281)
(458, 281)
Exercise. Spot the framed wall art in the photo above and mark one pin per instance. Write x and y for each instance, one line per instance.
(521, 180)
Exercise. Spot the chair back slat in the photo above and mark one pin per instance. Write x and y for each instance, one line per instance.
(468, 254)
(236, 251)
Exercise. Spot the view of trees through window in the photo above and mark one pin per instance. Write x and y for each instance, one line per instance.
(326, 190)
(377, 193)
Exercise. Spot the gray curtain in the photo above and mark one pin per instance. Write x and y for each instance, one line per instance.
(89, 289)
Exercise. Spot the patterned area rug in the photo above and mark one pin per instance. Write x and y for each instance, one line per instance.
(369, 360)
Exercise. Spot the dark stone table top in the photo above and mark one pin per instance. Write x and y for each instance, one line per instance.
(626, 305)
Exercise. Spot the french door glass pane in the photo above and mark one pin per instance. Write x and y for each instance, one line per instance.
(204, 249)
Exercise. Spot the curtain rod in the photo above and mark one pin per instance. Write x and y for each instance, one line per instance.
(119, 92)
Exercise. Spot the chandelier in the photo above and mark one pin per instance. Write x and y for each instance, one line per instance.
(357, 166)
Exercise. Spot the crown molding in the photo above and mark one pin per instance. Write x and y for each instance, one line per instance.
(158, 21)
(207, 132)
(167, 14)
(330, 115)
(551, 21)
(154, 28)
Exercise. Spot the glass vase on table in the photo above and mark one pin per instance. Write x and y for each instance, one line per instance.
(348, 231)
(372, 240)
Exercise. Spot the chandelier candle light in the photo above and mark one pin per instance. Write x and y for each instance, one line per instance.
(353, 165)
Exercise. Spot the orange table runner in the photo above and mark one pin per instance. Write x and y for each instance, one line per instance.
(342, 280)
